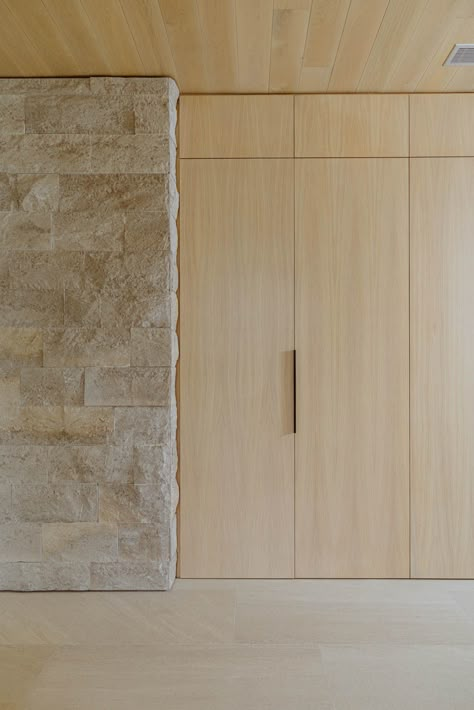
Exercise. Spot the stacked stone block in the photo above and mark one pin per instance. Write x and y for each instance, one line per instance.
(88, 344)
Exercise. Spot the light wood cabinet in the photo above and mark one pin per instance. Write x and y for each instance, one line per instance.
(350, 126)
(442, 367)
(361, 259)
(351, 510)
(237, 342)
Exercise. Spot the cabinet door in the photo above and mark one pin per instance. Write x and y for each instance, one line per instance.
(352, 344)
(236, 368)
(442, 361)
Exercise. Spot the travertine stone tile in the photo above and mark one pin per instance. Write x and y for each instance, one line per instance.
(44, 153)
(113, 192)
(85, 347)
(119, 386)
(81, 307)
(81, 542)
(12, 114)
(129, 575)
(49, 386)
(37, 193)
(144, 542)
(9, 386)
(147, 232)
(158, 86)
(88, 231)
(44, 576)
(79, 114)
(142, 426)
(56, 425)
(83, 464)
(129, 504)
(7, 192)
(45, 86)
(145, 153)
(127, 274)
(45, 503)
(20, 542)
(46, 270)
(23, 463)
(25, 230)
(145, 311)
(152, 114)
(22, 307)
(139, 464)
(5, 502)
(151, 347)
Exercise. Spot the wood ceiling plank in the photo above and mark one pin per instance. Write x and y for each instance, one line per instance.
(326, 26)
(254, 42)
(397, 27)
(17, 46)
(362, 24)
(44, 35)
(183, 26)
(289, 32)
(149, 32)
(219, 37)
(78, 34)
(314, 79)
(436, 76)
(111, 29)
(423, 43)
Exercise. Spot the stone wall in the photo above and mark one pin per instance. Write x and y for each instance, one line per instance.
(88, 347)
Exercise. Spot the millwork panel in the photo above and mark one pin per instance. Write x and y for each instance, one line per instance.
(442, 367)
(441, 125)
(236, 127)
(345, 126)
(352, 495)
(237, 338)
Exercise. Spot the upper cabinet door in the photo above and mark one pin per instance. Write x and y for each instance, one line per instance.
(236, 126)
(442, 362)
(441, 125)
(236, 368)
(350, 126)
(352, 459)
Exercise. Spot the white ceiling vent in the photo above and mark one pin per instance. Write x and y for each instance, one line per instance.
(462, 55)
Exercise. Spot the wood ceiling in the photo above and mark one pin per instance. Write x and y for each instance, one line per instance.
(240, 46)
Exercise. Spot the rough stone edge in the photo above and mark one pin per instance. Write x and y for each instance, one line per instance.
(87, 86)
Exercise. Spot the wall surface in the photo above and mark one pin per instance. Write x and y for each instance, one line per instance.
(88, 347)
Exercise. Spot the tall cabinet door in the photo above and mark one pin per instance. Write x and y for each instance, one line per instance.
(352, 343)
(236, 373)
(442, 361)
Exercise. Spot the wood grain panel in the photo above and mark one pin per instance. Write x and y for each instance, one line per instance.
(442, 362)
(441, 125)
(254, 39)
(289, 30)
(237, 328)
(219, 36)
(362, 24)
(183, 28)
(242, 46)
(393, 37)
(351, 126)
(352, 376)
(236, 126)
(324, 35)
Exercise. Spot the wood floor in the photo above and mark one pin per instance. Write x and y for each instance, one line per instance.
(299, 645)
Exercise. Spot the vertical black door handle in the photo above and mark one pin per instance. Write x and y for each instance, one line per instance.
(294, 391)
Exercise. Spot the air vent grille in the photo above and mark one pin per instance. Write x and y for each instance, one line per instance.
(462, 55)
